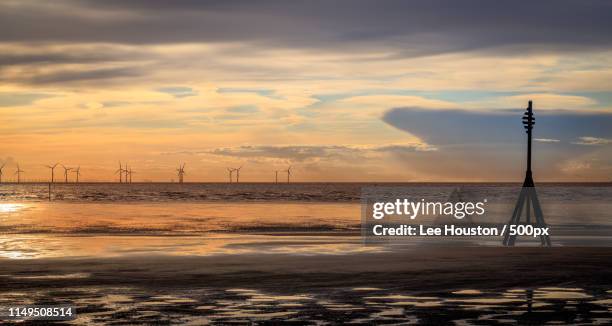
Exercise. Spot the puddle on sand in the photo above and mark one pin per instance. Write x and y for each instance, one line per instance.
(365, 289)
(241, 290)
(50, 276)
(560, 294)
(290, 305)
(276, 298)
(467, 292)
(400, 297)
(417, 303)
(607, 302)
(493, 301)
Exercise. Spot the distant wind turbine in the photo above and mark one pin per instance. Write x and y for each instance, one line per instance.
(238, 174)
(66, 173)
(231, 173)
(129, 172)
(52, 167)
(288, 173)
(120, 171)
(18, 173)
(1, 167)
(181, 172)
(126, 172)
(77, 171)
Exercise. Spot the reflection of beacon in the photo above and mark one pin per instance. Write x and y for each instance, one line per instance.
(528, 197)
(459, 195)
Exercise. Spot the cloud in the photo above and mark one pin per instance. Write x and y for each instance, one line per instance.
(543, 100)
(308, 153)
(387, 101)
(546, 140)
(590, 141)
(8, 99)
(243, 109)
(573, 166)
(178, 91)
(412, 28)
(403, 148)
(453, 127)
(112, 104)
(76, 75)
(490, 144)
(262, 92)
(25, 54)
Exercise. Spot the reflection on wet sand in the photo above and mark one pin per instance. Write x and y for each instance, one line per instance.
(169, 219)
(11, 207)
(220, 306)
(52, 246)
(361, 288)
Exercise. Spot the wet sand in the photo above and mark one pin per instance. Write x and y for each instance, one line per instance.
(416, 269)
(425, 285)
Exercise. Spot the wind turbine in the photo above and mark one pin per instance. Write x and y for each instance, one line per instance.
(238, 174)
(288, 173)
(1, 167)
(18, 173)
(231, 173)
(66, 173)
(77, 171)
(120, 171)
(181, 172)
(130, 173)
(52, 167)
(126, 170)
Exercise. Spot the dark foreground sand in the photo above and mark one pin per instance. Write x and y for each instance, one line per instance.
(422, 285)
(419, 269)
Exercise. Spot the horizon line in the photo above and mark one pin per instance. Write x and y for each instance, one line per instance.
(296, 182)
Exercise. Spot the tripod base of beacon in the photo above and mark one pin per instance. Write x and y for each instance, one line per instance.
(527, 204)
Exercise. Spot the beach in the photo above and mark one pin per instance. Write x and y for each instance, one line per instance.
(441, 285)
(258, 260)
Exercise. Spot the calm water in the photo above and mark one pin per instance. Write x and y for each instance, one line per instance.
(118, 219)
(314, 192)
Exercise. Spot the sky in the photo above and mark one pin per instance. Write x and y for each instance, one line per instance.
(339, 90)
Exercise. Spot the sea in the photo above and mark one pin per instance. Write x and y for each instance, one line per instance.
(250, 208)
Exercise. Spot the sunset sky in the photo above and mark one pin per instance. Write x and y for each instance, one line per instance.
(340, 90)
